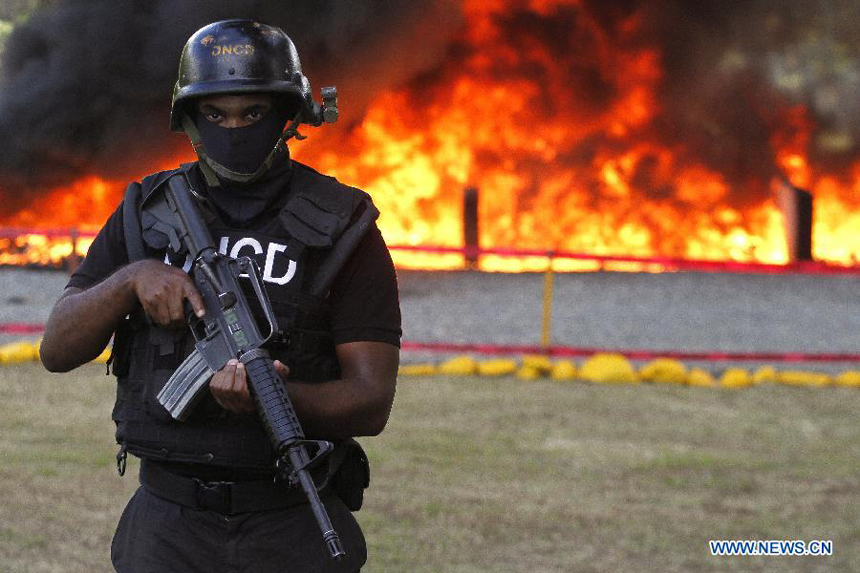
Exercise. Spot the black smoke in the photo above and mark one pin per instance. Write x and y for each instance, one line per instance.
(734, 72)
(86, 84)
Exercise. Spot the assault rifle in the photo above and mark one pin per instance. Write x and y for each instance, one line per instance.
(229, 330)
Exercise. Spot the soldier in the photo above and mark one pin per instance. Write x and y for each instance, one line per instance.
(208, 502)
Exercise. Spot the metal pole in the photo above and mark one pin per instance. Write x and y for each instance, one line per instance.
(73, 260)
(471, 240)
(796, 206)
(546, 311)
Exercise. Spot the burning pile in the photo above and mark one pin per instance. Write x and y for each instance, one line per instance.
(625, 129)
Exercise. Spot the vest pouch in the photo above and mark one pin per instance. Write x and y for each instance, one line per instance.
(352, 477)
(316, 218)
(132, 356)
(120, 354)
(152, 406)
(168, 349)
(311, 356)
(305, 342)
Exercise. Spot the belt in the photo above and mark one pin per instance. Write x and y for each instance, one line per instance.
(226, 498)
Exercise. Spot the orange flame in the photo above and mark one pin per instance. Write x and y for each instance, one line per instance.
(556, 170)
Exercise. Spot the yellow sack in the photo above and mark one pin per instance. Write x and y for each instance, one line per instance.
(18, 352)
(608, 368)
(800, 378)
(528, 373)
(103, 357)
(700, 377)
(849, 378)
(459, 366)
(497, 367)
(417, 370)
(735, 378)
(563, 370)
(539, 362)
(664, 370)
(764, 375)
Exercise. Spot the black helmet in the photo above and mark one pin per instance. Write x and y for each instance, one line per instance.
(241, 56)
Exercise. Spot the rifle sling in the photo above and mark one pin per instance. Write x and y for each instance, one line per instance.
(131, 224)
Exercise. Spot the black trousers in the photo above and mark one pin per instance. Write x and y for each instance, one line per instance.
(158, 536)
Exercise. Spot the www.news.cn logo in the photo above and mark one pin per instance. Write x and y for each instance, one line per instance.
(770, 547)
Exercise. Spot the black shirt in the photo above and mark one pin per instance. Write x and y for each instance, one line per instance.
(364, 297)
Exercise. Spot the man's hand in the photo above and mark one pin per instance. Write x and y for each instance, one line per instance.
(83, 321)
(229, 386)
(161, 290)
(358, 404)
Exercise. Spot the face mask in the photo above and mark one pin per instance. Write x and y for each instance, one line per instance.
(242, 149)
(240, 203)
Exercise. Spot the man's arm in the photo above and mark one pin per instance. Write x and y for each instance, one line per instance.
(356, 405)
(83, 321)
(359, 403)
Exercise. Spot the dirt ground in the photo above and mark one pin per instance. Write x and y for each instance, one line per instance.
(494, 475)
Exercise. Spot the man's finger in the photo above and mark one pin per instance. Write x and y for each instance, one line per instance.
(240, 390)
(239, 382)
(222, 384)
(160, 314)
(191, 294)
(282, 369)
(227, 391)
(175, 310)
(236, 382)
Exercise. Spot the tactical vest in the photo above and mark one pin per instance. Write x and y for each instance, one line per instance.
(293, 248)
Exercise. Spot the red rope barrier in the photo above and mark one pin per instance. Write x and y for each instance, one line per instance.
(15, 232)
(21, 328)
(671, 263)
(569, 352)
(562, 351)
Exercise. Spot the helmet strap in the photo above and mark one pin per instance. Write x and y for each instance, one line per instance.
(293, 129)
(212, 169)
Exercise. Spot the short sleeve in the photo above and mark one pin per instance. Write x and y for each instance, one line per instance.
(105, 256)
(364, 297)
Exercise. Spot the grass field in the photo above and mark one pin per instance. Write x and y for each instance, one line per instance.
(494, 475)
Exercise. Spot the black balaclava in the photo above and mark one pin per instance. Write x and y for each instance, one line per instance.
(243, 149)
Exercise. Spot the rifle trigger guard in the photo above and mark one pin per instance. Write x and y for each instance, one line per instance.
(324, 447)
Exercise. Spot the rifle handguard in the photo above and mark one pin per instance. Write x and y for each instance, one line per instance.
(268, 390)
(287, 436)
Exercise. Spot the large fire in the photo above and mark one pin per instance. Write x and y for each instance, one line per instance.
(558, 166)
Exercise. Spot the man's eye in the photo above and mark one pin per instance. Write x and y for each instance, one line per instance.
(255, 114)
(213, 116)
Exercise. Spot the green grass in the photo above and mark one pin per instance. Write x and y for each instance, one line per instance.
(494, 475)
